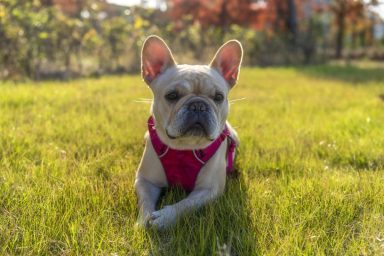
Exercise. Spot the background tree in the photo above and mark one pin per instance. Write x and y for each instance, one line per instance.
(349, 14)
(67, 38)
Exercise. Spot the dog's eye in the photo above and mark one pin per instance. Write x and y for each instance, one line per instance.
(172, 96)
(218, 97)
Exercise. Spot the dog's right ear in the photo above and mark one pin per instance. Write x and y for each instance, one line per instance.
(156, 57)
(227, 61)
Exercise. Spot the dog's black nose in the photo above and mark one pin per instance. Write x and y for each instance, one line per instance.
(197, 106)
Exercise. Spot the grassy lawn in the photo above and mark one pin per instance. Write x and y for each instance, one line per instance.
(311, 168)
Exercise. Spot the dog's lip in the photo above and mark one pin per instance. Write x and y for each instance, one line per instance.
(196, 129)
(197, 125)
(175, 137)
(170, 136)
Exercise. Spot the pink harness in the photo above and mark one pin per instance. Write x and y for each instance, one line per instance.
(181, 167)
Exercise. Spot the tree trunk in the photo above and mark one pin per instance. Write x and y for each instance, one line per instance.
(340, 30)
(67, 60)
(79, 60)
(309, 43)
(29, 64)
(224, 22)
(292, 21)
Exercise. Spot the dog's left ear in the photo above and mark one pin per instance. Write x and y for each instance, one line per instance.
(227, 61)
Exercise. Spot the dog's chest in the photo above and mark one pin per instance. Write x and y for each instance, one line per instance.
(181, 167)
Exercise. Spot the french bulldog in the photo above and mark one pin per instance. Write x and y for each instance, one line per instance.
(189, 141)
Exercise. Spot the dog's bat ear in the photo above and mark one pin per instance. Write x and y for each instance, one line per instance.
(156, 57)
(227, 61)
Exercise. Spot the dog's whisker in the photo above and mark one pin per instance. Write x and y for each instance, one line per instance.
(239, 99)
(143, 101)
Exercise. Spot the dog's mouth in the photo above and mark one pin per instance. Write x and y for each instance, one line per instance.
(196, 129)
(197, 126)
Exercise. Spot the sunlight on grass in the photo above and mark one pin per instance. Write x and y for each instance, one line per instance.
(311, 161)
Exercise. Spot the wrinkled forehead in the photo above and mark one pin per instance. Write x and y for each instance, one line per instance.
(197, 79)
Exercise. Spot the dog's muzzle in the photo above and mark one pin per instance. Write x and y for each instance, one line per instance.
(197, 119)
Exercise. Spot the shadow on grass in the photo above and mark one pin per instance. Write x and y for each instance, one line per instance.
(223, 227)
(351, 74)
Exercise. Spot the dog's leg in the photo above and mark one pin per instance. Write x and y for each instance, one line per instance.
(150, 178)
(169, 214)
(148, 195)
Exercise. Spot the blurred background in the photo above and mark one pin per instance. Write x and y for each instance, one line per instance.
(62, 39)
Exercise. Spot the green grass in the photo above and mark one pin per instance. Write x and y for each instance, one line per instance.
(311, 161)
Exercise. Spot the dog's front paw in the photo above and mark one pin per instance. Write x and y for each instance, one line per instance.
(163, 218)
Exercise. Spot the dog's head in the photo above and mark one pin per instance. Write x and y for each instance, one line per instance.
(190, 103)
